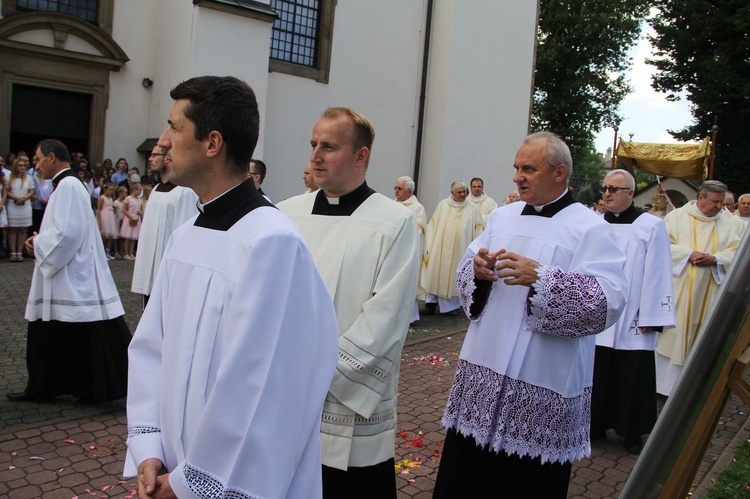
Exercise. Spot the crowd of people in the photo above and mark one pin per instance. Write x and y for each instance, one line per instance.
(276, 330)
(24, 195)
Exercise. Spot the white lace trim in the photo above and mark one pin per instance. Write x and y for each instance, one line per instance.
(137, 430)
(466, 287)
(205, 484)
(567, 304)
(516, 417)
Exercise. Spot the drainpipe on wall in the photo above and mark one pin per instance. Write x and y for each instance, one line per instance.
(422, 94)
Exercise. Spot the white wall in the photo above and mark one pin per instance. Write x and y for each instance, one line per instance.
(375, 68)
(478, 96)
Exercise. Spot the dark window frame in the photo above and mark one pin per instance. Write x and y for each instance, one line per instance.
(104, 15)
(320, 69)
(85, 13)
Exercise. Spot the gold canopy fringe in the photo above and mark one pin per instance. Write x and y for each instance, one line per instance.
(681, 161)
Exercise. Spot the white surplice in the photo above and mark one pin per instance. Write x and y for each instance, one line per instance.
(369, 261)
(231, 362)
(165, 212)
(71, 280)
(523, 382)
(648, 270)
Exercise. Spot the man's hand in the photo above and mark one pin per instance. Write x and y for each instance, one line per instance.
(516, 269)
(29, 244)
(484, 265)
(702, 259)
(163, 489)
(148, 471)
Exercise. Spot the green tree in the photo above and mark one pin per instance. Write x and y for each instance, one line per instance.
(703, 53)
(588, 171)
(581, 63)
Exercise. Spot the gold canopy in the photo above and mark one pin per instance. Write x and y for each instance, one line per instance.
(681, 161)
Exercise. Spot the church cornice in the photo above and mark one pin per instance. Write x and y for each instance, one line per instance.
(111, 56)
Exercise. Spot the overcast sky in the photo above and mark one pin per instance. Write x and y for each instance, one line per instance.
(646, 113)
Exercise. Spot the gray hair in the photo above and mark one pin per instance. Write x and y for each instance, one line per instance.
(729, 194)
(408, 181)
(629, 180)
(744, 196)
(712, 186)
(456, 182)
(557, 150)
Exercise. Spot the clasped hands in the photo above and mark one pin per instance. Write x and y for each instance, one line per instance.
(153, 480)
(702, 259)
(514, 268)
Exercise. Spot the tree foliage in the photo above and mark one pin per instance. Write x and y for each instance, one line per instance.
(703, 51)
(581, 63)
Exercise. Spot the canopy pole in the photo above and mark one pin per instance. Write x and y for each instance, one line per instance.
(614, 150)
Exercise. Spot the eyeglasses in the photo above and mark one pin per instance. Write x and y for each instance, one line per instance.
(397, 188)
(253, 173)
(613, 189)
(158, 154)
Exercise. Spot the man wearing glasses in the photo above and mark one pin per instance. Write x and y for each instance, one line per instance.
(169, 206)
(257, 171)
(624, 392)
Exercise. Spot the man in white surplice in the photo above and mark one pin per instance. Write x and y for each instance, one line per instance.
(235, 351)
(367, 249)
(169, 206)
(542, 279)
(624, 393)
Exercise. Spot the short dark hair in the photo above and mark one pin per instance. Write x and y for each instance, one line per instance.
(260, 168)
(475, 179)
(54, 146)
(227, 105)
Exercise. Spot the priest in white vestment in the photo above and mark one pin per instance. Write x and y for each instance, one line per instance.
(404, 192)
(235, 351)
(309, 179)
(77, 337)
(743, 208)
(624, 391)
(542, 279)
(481, 200)
(367, 249)
(455, 223)
(703, 246)
(169, 206)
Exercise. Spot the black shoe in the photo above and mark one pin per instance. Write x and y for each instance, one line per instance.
(429, 309)
(19, 396)
(634, 445)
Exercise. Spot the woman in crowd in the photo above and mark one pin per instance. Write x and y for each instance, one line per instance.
(105, 215)
(120, 195)
(131, 224)
(42, 192)
(20, 192)
(3, 211)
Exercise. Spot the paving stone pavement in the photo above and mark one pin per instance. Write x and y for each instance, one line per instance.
(62, 450)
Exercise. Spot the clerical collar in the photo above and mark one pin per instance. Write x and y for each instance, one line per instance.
(68, 172)
(626, 217)
(480, 198)
(342, 206)
(549, 210)
(223, 212)
(164, 187)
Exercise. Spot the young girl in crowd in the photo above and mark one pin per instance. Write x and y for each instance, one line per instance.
(20, 192)
(144, 197)
(105, 215)
(3, 211)
(120, 195)
(131, 224)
